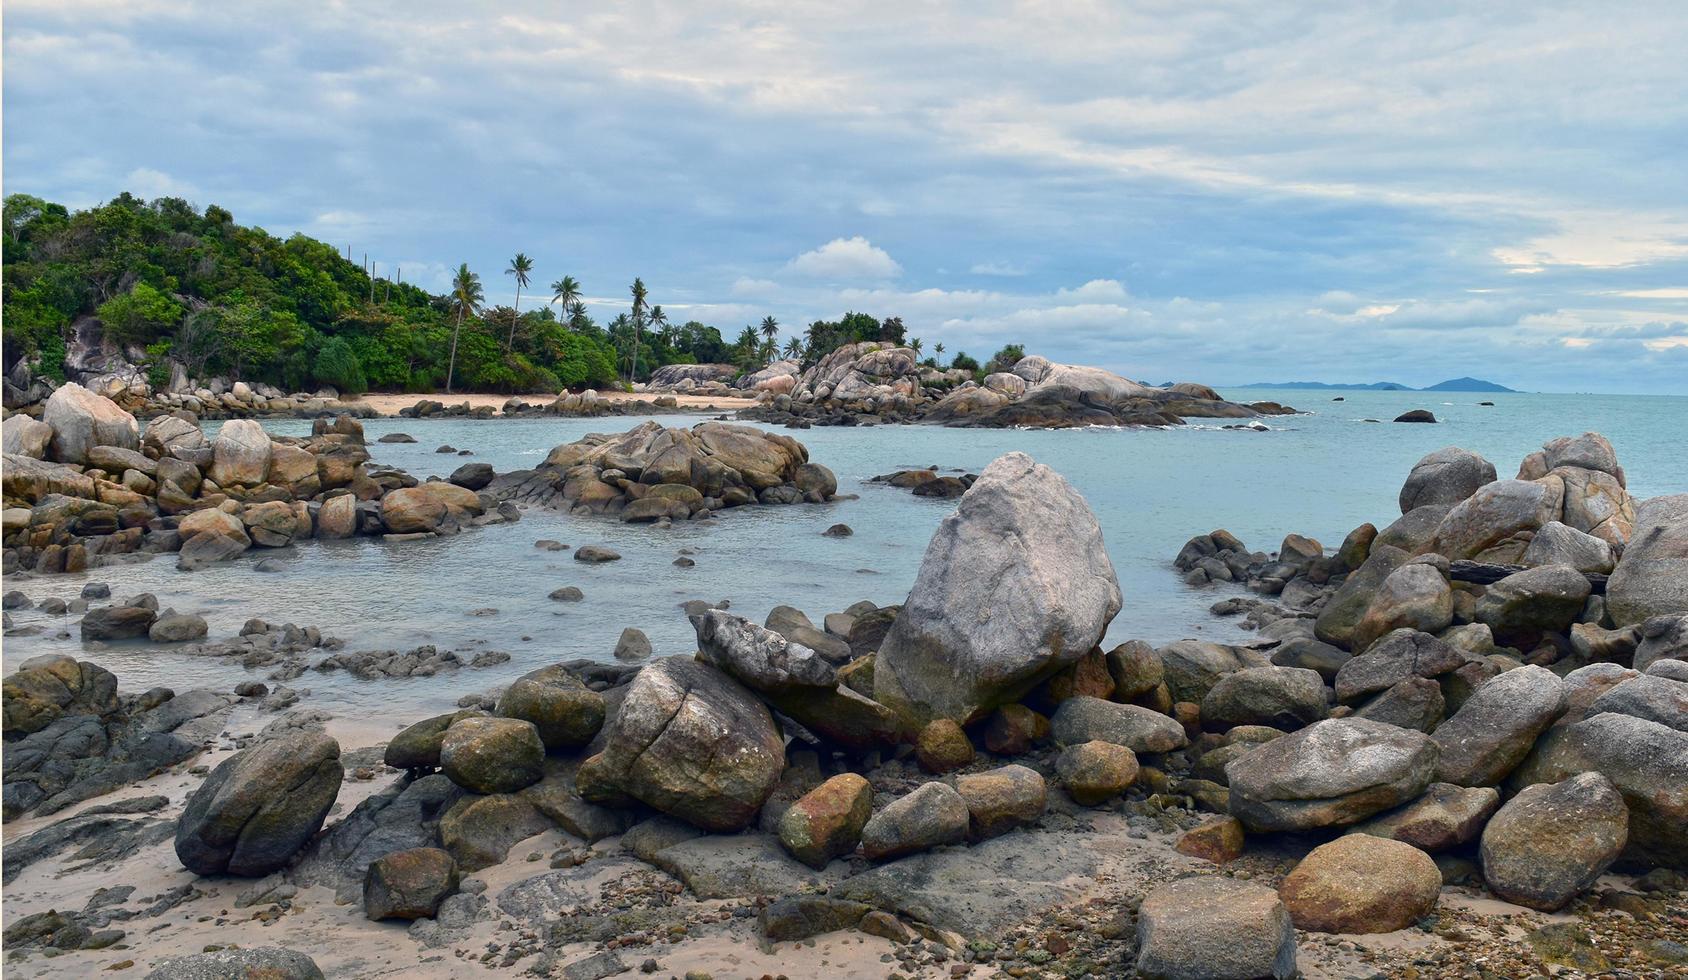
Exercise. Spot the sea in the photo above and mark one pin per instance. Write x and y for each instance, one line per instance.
(1321, 473)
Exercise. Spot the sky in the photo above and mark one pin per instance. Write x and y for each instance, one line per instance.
(1207, 190)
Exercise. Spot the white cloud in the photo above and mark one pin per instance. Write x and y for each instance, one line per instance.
(745, 286)
(846, 258)
(996, 269)
(1096, 291)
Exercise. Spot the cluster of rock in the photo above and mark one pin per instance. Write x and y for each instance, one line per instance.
(1501, 672)
(652, 473)
(85, 482)
(568, 404)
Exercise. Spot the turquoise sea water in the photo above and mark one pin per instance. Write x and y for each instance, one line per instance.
(1318, 474)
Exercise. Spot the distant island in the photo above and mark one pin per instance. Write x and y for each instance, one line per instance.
(1456, 384)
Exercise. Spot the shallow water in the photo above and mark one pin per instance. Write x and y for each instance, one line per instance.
(1319, 474)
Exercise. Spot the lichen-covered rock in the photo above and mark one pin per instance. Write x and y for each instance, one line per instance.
(1415, 596)
(692, 742)
(1191, 668)
(260, 806)
(1361, 884)
(1001, 799)
(1445, 817)
(1015, 585)
(1550, 842)
(1280, 697)
(1085, 719)
(826, 822)
(565, 711)
(1333, 773)
(1651, 578)
(931, 816)
(1497, 726)
(408, 884)
(1395, 657)
(260, 963)
(1095, 772)
(1522, 606)
(47, 688)
(1497, 522)
(1213, 927)
(942, 746)
(1559, 544)
(492, 755)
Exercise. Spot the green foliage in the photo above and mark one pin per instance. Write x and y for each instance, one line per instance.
(964, 362)
(139, 315)
(1005, 359)
(158, 369)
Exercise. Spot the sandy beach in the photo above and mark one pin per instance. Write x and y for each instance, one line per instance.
(389, 404)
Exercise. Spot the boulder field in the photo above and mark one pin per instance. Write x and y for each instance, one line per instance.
(945, 771)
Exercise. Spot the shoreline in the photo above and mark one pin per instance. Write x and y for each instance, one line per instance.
(388, 405)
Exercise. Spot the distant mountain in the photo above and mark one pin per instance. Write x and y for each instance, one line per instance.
(1468, 384)
(1457, 384)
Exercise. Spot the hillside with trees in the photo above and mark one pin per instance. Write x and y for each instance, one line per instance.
(171, 283)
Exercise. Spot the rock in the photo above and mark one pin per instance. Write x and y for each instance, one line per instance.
(418, 747)
(1655, 698)
(1495, 729)
(258, 963)
(337, 518)
(1311, 654)
(1415, 703)
(1219, 840)
(931, 816)
(1446, 477)
(260, 806)
(1646, 761)
(472, 476)
(1279, 697)
(492, 755)
(1361, 884)
(1558, 544)
(838, 531)
(1014, 586)
(801, 916)
(408, 884)
(1415, 596)
(567, 593)
(1087, 719)
(632, 645)
(479, 831)
(1192, 667)
(1416, 415)
(1013, 729)
(942, 747)
(1095, 772)
(1445, 817)
(24, 436)
(1496, 523)
(1135, 668)
(564, 711)
(692, 742)
(1550, 842)
(81, 420)
(594, 554)
(1342, 612)
(47, 688)
(178, 628)
(240, 454)
(815, 480)
(1333, 773)
(826, 822)
(1395, 657)
(1001, 799)
(1212, 928)
(1526, 604)
(1662, 638)
(1651, 579)
(116, 623)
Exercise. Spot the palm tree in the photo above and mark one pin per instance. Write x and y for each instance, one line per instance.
(520, 267)
(938, 353)
(770, 327)
(794, 349)
(769, 350)
(639, 296)
(577, 315)
(914, 345)
(566, 292)
(467, 295)
(659, 320)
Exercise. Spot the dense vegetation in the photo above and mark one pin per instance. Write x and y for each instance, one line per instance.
(171, 282)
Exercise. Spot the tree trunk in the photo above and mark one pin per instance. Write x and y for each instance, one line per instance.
(633, 366)
(451, 367)
(510, 344)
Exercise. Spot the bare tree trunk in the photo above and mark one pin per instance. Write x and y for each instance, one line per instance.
(511, 343)
(451, 367)
(633, 366)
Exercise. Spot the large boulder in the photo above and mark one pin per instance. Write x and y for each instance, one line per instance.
(1086, 719)
(260, 806)
(408, 884)
(1331, 774)
(1648, 696)
(240, 455)
(1280, 697)
(1446, 476)
(1015, 585)
(1445, 817)
(1551, 841)
(1662, 638)
(694, 743)
(1361, 884)
(24, 436)
(1415, 596)
(561, 707)
(81, 420)
(1000, 800)
(1397, 656)
(1560, 544)
(826, 822)
(1340, 618)
(1526, 604)
(1191, 668)
(492, 755)
(1214, 928)
(1497, 726)
(1646, 761)
(1496, 523)
(931, 816)
(1652, 576)
(47, 688)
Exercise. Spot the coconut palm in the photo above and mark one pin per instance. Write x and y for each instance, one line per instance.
(770, 327)
(938, 353)
(914, 345)
(794, 349)
(639, 296)
(466, 295)
(566, 293)
(769, 350)
(658, 320)
(577, 315)
(521, 267)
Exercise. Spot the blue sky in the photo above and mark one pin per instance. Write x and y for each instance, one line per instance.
(1215, 191)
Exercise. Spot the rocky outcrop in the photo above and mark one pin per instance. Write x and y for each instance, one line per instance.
(81, 420)
(1015, 585)
(1445, 477)
(1651, 579)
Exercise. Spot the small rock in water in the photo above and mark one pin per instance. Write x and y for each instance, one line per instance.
(96, 590)
(1416, 415)
(269, 565)
(684, 562)
(567, 593)
(446, 449)
(633, 645)
(546, 544)
(396, 437)
(595, 554)
(838, 531)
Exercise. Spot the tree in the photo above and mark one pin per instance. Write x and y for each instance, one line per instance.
(639, 296)
(578, 319)
(1006, 358)
(520, 267)
(769, 350)
(964, 363)
(770, 327)
(914, 345)
(938, 353)
(565, 292)
(794, 348)
(466, 295)
(659, 321)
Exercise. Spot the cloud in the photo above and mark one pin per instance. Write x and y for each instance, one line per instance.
(846, 258)
(1095, 290)
(996, 269)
